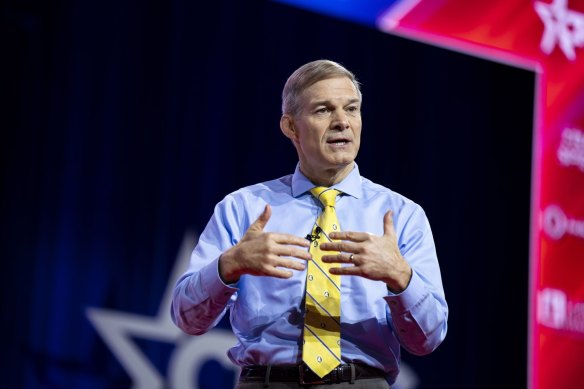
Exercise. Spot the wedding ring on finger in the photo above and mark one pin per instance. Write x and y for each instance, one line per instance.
(351, 258)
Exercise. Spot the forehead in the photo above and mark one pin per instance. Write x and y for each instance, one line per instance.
(331, 89)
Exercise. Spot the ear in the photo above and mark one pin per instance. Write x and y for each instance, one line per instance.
(287, 127)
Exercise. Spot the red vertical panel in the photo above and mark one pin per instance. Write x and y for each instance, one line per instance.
(548, 37)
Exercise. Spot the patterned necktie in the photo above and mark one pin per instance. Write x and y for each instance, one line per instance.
(322, 329)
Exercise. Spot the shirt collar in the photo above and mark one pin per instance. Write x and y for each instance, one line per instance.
(351, 185)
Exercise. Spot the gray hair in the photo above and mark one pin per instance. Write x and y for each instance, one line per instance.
(309, 74)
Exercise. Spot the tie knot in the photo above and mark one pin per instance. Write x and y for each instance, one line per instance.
(327, 196)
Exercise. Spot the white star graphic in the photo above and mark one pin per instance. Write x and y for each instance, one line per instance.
(562, 26)
(118, 328)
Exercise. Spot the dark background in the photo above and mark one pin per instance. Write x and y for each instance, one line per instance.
(124, 122)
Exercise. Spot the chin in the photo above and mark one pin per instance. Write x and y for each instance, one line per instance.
(340, 164)
(343, 159)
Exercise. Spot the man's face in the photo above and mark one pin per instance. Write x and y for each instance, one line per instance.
(327, 129)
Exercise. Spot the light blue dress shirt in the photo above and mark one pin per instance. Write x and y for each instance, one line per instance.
(267, 313)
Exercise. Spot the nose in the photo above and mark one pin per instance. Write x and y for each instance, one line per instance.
(340, 120)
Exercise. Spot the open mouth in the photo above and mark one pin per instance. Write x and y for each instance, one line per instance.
(338, 142)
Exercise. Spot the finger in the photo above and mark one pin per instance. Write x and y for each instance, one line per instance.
(290, 239)
(346, 271)
(388, 228)
(279, 273)
(350, 235)
(338, 258)
(292, 264)
(291, 251)
(346, 246)
(262, 220)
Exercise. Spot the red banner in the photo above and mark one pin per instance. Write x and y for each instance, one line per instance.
(547, 37)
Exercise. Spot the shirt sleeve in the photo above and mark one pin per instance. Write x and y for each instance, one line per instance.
(200, 297)
(419, 314)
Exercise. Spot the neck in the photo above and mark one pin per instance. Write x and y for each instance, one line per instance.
(328, 177)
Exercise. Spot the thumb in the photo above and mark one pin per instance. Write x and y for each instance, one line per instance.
(388, 223)
(262, 220)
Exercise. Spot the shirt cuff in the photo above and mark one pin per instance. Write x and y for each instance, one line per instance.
(409, 298)
(216, 289)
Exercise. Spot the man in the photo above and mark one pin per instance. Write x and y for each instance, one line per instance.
(374, 248)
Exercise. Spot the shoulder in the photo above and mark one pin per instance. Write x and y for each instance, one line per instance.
(402, 206)
(279, 186)
(255, 196)
(372, 190)
(408, 215)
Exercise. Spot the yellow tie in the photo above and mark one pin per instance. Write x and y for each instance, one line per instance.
(322, 329)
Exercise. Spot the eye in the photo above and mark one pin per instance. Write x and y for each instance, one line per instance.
(322, 110)
(352, 109)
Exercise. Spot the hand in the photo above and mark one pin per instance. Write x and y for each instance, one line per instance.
(374, 257)
(263, 253)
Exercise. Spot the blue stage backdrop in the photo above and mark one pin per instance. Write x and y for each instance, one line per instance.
(124, 122)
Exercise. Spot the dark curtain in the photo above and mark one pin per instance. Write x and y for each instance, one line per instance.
(124, 122)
